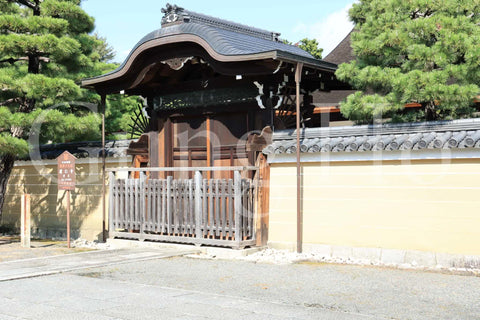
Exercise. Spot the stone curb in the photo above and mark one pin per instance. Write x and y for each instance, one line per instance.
(388, 257)
(213, 252)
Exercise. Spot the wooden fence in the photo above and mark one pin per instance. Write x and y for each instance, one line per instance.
(218, 212)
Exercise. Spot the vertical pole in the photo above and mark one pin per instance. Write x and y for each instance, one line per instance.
(298, 79)
(103, 104)
(68, 218)
(209, 148)
(198, 205)
(25, 221)
(237, 181)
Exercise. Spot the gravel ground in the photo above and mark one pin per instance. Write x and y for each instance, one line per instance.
(370, 291)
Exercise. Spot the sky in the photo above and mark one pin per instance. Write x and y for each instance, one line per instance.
(123, 23)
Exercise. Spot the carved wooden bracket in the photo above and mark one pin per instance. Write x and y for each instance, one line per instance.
(177, 63)
(257, 142)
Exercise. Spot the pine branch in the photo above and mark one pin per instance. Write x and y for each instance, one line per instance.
(12, 60)
(28, 4)
(9, 101)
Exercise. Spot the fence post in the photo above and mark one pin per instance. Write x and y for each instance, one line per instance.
(111, 221)
(237, 181)
(170, 220)
(143, 205)
(198, 204)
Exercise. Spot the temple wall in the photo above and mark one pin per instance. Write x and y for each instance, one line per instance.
(48, 205)
(411, 205)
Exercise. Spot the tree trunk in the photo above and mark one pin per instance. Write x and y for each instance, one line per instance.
(430, 112)
(6, 167)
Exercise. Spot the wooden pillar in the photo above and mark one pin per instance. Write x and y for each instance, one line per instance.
(209, 147)
(161, 146)
(298, 79)
(168, 143)
(263, 201)
(153, 157)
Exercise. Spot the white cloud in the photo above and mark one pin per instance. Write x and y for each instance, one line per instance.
(300, 28)
(328, 32)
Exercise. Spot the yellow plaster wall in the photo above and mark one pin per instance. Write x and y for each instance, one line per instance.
(416, 205)
(48, 205)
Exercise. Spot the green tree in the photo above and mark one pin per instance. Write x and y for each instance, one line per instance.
(407, 51)
(45, 48)
(119, 113)
(311, 46)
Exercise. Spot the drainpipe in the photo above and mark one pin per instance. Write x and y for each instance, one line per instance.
(298, 79)
(103, 104)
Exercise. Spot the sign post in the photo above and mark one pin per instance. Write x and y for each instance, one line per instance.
(66, 181)
(25, 221)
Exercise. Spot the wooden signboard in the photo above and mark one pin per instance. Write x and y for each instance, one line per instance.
(66, 171)
(66, 181)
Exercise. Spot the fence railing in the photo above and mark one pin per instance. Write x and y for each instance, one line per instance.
(217, 212)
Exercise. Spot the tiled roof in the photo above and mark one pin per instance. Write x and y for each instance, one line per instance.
(330, 98)
(386, 137)
(228, 39)
(343, 52)
(87, 149)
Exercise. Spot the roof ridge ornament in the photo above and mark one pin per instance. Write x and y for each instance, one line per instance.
(174, 14)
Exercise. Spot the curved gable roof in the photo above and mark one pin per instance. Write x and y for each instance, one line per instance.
(225, 41)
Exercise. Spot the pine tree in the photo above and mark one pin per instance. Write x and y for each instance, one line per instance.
(45, 48)
(420, 51)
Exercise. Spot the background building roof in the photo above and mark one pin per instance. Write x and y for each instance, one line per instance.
(342, 53)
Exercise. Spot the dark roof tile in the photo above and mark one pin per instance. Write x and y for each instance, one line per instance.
(386, 137)
(343, 52)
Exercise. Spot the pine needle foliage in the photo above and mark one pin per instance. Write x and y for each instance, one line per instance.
(46, 48)
(413, 51)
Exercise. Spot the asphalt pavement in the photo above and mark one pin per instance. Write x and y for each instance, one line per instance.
(173, 286)
(35, 267)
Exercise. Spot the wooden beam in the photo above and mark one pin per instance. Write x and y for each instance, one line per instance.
(184, 169)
